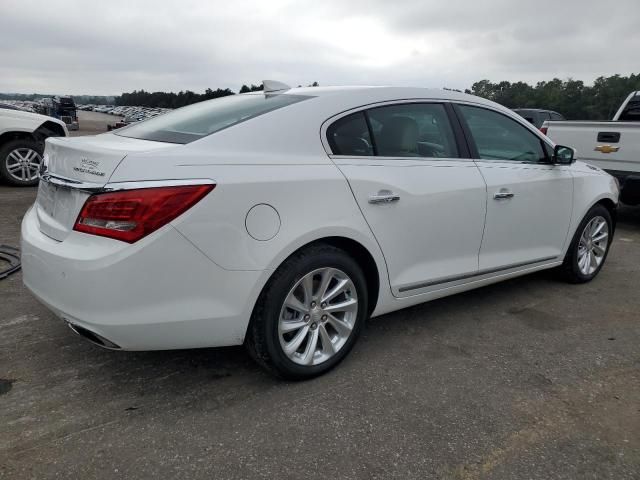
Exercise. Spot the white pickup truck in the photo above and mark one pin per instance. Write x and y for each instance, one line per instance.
(614, 146)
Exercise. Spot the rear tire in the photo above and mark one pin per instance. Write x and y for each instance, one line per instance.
(20, 162)
(309, 314)
(589, 247)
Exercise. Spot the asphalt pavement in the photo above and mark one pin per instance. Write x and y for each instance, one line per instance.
(527, 379)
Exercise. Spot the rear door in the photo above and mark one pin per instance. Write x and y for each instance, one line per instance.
(423, 198)
(529, 200)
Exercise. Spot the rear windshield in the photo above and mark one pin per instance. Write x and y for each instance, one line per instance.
(201, 119)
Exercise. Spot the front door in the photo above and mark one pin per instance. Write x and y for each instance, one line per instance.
(529, 200)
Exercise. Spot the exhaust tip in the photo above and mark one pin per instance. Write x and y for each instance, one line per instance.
(92, 336)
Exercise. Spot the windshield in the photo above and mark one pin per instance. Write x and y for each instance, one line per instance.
(201, 119)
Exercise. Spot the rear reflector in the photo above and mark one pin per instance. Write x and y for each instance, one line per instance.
(130, 215)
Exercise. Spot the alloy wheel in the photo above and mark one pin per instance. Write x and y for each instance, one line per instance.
(318, 316)
(23, 164)
(592, 247)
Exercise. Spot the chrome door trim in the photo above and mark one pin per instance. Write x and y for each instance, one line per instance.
(468, 276)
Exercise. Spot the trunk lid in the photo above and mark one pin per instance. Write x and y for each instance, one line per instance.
(73, 166)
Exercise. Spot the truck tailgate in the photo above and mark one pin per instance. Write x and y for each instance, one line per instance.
(612, 146)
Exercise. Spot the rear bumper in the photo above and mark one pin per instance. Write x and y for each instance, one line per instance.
(159, 293)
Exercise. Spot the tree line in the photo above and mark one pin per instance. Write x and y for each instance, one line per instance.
(572, 98)
(141, 98)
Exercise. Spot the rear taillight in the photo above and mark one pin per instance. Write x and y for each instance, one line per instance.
(544, 130)
(129, 215)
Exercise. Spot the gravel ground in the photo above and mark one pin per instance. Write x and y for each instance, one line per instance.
(92, 123)
(528, 379)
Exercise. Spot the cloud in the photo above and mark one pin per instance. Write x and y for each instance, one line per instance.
(95, 47)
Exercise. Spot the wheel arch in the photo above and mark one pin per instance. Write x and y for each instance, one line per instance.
(15, 135)
(357, 250)
(49, 129)
(364, 258)
(611, 207)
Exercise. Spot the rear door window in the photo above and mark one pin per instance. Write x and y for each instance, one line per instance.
(350, 136)
(413, 130)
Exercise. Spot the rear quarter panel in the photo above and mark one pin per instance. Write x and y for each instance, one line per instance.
(312, 198)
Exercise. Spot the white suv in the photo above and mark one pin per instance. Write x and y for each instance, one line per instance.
(22, 136)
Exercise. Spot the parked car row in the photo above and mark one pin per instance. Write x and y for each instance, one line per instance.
(131, 113)
(23, 105)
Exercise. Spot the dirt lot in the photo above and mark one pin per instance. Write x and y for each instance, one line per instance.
(528, 379)
(92, 123)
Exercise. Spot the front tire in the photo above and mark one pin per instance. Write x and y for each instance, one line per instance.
(589, 247)
(310, 313)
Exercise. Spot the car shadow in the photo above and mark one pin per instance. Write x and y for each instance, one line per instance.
(178, 372)
(629, 217)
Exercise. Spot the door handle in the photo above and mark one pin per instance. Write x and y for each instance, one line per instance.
(502, 194)
(384, 196)
(608, 137)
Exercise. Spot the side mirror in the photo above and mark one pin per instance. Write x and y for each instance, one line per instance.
(563, 155)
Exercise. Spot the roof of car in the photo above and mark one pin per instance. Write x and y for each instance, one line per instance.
(533, 110)
(371, 94)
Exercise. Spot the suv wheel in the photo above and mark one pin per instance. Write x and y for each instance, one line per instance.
(20, 162)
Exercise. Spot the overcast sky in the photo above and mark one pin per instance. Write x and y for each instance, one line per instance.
(111, 46)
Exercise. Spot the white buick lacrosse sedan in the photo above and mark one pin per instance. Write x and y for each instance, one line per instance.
(284, 219)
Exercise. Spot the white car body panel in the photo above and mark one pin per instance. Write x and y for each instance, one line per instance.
(442, 205)
(27, 122)
(195, 281)
(137, 296)
(533, 224)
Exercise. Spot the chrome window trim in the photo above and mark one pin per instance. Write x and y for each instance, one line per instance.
(325, 125)
(518, 119)
(384, 160)
(329, 121)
